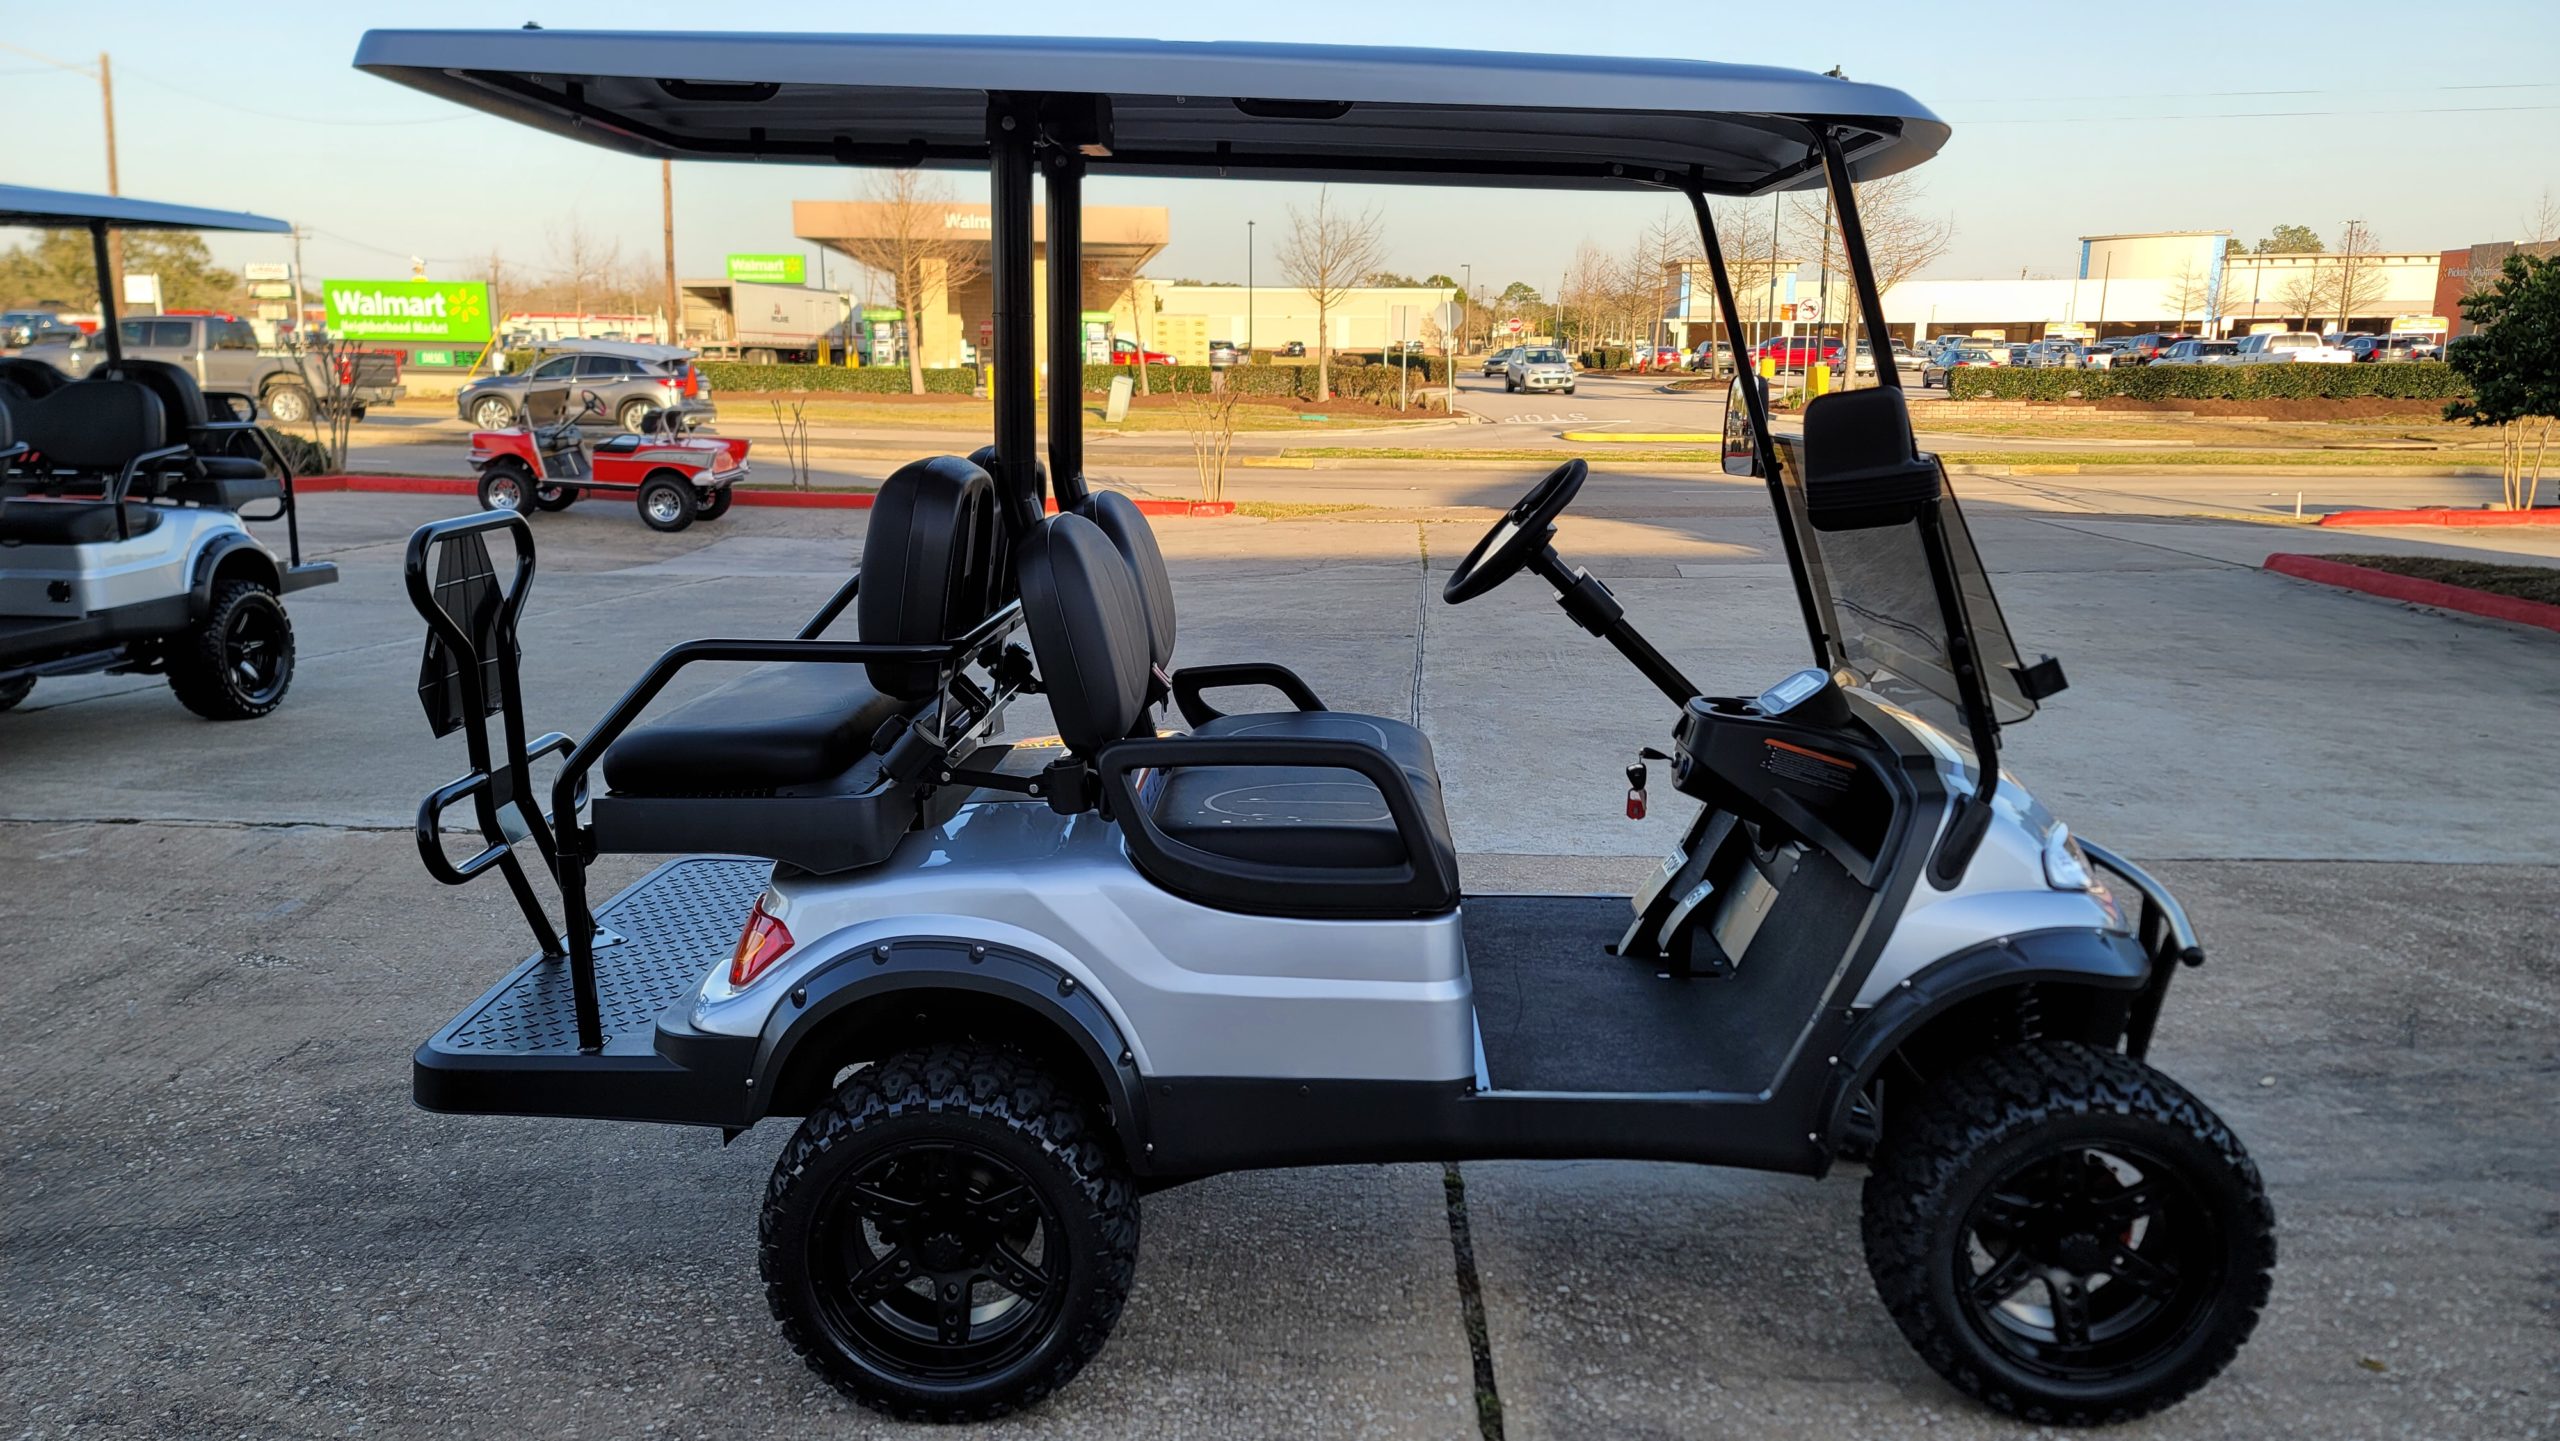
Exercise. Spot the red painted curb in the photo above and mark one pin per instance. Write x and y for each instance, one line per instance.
(789, 499)
(2415, 591)
(2445, 515)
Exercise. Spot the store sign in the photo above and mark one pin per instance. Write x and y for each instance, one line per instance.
(770, 269)
(407, 309)
(266, 270)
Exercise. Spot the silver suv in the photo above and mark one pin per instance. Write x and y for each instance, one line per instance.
(1538, 367)
(632, 380)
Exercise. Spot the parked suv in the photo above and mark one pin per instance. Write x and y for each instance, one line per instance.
(633, 381)
(2285, 347)
(1538, 367)
(2145, 348)
(2195, 351)
(21, 328)
(1798, 351)
(222, 353)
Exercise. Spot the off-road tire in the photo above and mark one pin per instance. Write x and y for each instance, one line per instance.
(14, 691)
(203, 667)
(289, 405)
(1956, 1140)
(681, 510)
(1004, 1103)
(554, 497)
(720, 499)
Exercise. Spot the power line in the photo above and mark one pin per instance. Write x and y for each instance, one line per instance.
(333, 122)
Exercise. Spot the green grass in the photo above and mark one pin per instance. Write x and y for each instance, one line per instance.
(2519, 582)
(2188, 459)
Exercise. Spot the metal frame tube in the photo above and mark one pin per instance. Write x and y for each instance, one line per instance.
(1065, 199)
(1012, 131)
(1862, 269)
(1757, 399)
(108, 324)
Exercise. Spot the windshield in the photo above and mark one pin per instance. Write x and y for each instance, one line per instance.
(1882, 609)
(1543, 357)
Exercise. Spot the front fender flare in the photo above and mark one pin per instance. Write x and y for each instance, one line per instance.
(945, 963)
(2104, 960)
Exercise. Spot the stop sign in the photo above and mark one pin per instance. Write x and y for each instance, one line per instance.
(1515, 325)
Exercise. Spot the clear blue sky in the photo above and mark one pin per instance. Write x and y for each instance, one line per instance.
(2069, 120)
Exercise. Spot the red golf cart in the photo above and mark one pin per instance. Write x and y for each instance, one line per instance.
(545, 463)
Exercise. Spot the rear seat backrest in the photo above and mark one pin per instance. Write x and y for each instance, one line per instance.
(933, 565)
(1088, 630)
(1126, 526)
(93, 425)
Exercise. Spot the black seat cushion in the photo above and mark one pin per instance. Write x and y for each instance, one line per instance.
(1403, 744)
(95, 426)
(228, 483)
(932, 565)
(29, 521)
(1130, 534)
(782, 725)
(1291, 816)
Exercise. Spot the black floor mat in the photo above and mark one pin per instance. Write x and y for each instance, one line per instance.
(1559, 1013)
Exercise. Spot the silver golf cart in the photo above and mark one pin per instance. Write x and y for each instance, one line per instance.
(1007, 989)
(122, 501)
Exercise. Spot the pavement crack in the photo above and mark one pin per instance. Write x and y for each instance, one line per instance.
(1462, 1247)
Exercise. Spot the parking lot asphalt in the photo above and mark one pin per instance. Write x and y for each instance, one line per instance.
(219, 1214)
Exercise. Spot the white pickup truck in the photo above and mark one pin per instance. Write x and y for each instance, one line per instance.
(2286, 347)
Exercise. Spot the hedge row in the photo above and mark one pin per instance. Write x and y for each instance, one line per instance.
(2383, 380)
(733, 375)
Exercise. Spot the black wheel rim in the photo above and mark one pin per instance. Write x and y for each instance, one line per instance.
(255, 651)
(2088, 1263)
(937, 1261)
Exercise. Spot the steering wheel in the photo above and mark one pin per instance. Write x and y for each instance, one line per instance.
(1521, 533)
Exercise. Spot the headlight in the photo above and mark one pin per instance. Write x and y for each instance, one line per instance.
(2065, 867)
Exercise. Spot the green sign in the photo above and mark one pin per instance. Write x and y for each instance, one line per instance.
(770, 269)
(407, 309)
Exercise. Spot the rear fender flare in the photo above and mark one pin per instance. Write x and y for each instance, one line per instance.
(919, 966)
(228, 553)
(2102, 960)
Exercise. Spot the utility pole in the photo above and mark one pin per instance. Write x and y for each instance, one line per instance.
(667, 220)
(115, 238)
(295, 319)
(1248, 295)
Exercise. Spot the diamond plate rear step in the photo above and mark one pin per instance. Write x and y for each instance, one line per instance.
(515, 1050)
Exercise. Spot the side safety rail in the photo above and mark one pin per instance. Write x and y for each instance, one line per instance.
(469, 674)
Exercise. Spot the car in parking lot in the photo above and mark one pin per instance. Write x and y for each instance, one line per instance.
(1498, 361)
(633, 381)
(2287, 347)
(221, 352)
(2369, 348)
(1126, 352)
(1295, 349)
(1935, 370)
(1795, 352)
(2145, 348)
(2195, 351)
(1713, 356)
(21, 328)
(1538, 367)
(1224, 352)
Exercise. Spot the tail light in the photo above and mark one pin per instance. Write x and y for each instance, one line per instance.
(764, 941)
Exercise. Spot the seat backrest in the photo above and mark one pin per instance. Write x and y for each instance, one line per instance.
(933, 565)
(32, 376)
(1126, 527)
(94, 425)
(181, 399)
(1088, 630)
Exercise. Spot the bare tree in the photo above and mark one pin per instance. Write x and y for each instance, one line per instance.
(583, 262)
(2355, 282)
(1902, 238)
(1324, 254)
(1587, 285)
(911, 249)
(2541, 224)
(2305, 293)
(2190, 291)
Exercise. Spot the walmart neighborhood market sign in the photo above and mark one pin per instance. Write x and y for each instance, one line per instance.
(770, 269)
(407, 309)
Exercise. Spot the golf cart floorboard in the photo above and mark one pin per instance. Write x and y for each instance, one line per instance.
(1558, 1012)
(515, 1050)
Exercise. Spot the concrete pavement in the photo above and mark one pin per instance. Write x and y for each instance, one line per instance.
(218, 1213)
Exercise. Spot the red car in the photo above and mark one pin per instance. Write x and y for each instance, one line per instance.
(1796, 352)
(676, 476)
(1125, 352)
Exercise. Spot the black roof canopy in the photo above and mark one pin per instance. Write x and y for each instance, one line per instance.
(1283, 112)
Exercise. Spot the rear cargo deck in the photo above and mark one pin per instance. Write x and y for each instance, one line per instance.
(515, 1050)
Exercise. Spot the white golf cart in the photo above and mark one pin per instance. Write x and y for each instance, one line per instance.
(1010, 989)
(122, 497)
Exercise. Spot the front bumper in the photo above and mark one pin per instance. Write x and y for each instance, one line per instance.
(2162, 930)
(1546, 382)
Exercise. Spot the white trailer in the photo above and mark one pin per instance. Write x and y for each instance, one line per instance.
(751, 321)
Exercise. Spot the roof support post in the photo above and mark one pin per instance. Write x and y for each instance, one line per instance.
(108, 327)
(1756, 400)
(1853, 239)
(1012, 130)
(1064, 178)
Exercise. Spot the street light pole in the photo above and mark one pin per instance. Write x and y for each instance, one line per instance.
(1467, 299)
